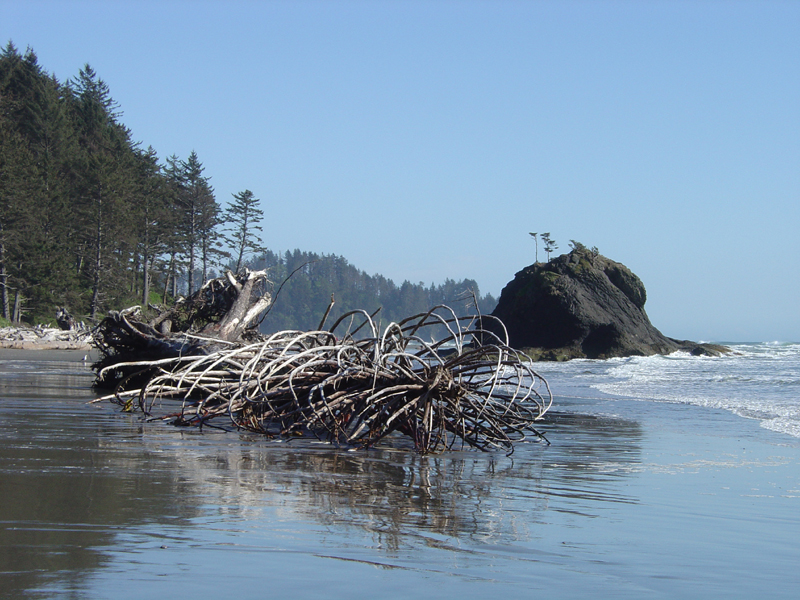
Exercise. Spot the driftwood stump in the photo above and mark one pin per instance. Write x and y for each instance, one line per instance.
(222, 313)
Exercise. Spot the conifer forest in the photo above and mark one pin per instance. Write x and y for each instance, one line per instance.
(92, 221)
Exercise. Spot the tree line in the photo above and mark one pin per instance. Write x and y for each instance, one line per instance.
(310, 280)
(90, 220)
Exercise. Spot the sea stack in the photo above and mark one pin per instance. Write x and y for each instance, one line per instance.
(583, 305)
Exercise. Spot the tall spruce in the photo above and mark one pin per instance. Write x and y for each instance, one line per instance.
(16, 178)
(102, 168)
(174, 234)
(242, 222)
(35, 134)
(153, 220)
(199, 217)
(211, 249)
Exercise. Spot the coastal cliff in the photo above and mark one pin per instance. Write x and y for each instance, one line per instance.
(583, 305)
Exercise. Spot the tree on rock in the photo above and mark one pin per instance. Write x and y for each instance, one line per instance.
(536, 241)
(549, 244)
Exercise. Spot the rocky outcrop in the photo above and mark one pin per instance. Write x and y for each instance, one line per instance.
(583, 305)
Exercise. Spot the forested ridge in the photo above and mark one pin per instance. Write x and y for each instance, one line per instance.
(302, 301)
(92, 221)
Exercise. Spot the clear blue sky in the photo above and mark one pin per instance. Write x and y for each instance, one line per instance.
(424, 140)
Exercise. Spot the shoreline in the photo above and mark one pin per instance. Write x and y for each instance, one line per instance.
(44, 338)
(44, 345)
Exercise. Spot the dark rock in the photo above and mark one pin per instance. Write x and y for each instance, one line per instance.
(583, 305)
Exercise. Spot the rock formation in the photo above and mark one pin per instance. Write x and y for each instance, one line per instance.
(583, 305)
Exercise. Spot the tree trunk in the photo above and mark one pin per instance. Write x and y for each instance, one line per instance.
(97, 265)
(17, 308)
(145, 279)
(204, 251)
(174, 278)
(4, 282)
(192, 245)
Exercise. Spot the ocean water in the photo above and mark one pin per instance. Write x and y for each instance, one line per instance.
(658, 482)
(755, 381)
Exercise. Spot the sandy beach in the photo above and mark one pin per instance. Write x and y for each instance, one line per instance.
(43, 338)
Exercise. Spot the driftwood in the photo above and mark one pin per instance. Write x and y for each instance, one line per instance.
(222, 313)
(45, 338)
(67, 322)
(468, 388)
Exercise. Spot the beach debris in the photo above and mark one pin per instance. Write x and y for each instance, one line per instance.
(225, 311)
(352, 384)
(42, 337)
(67, 322)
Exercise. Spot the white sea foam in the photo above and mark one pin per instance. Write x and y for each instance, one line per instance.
(757, 381)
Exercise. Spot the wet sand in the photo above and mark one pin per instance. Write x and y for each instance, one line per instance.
(42, 345)
(630, 500)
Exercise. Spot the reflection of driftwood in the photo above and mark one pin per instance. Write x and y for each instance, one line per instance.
(354, 392)
(221, 313)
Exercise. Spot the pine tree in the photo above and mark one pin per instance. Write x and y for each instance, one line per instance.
(211, 252)
(103, 169)
(174, 226)
(549, 245)
(199, 217)
(536, 241)
(576, 245)
(17, 175)
(152, 215)
(35, 126)
(243, 218)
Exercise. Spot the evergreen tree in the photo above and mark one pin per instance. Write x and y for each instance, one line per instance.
(549, 245)
(200, 217)
(576, 245)
(243, 218)
(16, 178)
(105, 155)
(174, 226)
(35, 125)
(536, 241)
(211, 252)
(152, 214)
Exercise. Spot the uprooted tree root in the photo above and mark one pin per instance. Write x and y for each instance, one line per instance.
(468, 388)
(223, 312)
